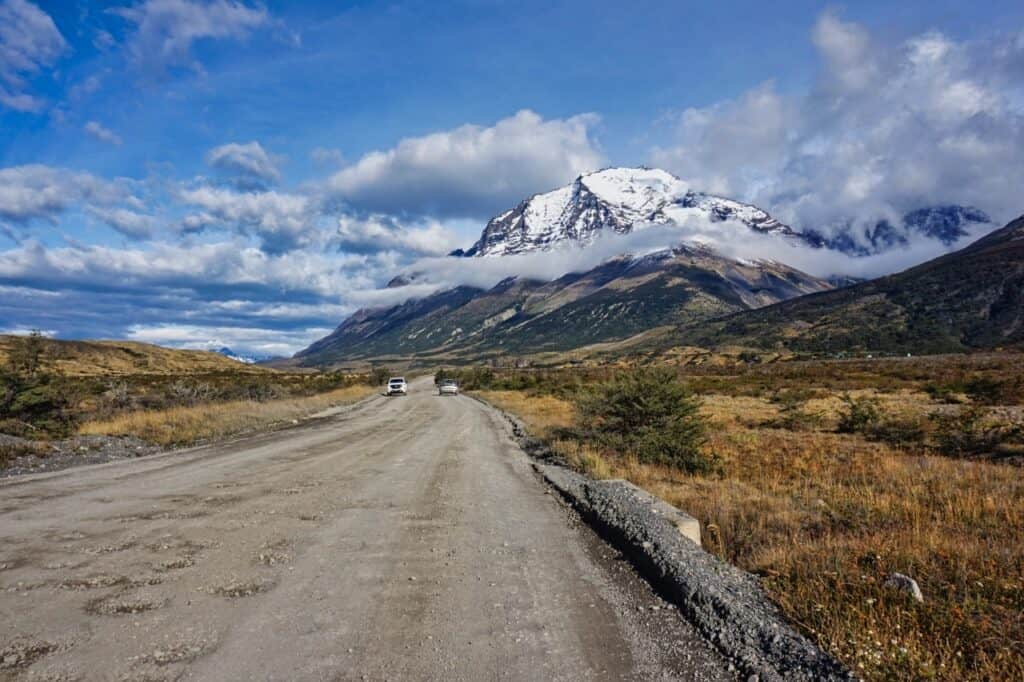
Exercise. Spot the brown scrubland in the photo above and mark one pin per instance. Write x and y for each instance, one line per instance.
(828, 477)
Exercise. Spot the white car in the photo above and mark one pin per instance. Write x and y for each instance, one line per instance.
(397, 386)
(448, 387)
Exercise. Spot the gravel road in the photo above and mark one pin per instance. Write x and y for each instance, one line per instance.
(400, 539)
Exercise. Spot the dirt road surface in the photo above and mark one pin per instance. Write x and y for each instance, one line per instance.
(400, 539)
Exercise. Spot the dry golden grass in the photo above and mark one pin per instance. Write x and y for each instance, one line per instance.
(540, 413)
(188, 425)
(825, 517)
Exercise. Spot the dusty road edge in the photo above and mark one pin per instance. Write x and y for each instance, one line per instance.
(726, 604)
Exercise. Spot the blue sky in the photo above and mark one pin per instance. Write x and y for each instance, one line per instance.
(191, 172)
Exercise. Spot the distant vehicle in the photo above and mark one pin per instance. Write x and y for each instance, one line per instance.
(448, 387)
(397, 386)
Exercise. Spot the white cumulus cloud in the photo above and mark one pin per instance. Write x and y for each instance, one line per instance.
(165, 30)
(248, 163)
(382, 233)
(129, 223)
(39, 192)
(102, 134)
(471, 171)
(281, 220)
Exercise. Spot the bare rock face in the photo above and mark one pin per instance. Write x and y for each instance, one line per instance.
(905, 584)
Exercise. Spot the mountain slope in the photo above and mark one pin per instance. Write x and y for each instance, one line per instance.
(972, 298)
(617, 299)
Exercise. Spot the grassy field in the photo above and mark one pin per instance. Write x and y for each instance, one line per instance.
(189, 425)
(824, 517)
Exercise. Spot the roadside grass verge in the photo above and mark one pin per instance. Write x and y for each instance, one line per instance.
(824, 517)
(179, 426)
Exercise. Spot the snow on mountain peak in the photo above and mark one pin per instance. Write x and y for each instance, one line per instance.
(616, 199)
(639, 189)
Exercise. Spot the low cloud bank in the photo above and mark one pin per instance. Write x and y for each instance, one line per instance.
(731, 239)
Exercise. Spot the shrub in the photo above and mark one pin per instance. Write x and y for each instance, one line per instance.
(792, 415)
(971, 432)
(33, 402)
(986, 390)
(859, 415)
(650, 414)
(25, 357)
(943, 394)
(380, 375)
(897, 432)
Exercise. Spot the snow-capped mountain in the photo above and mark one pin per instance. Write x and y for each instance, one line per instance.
(615, 199)
(623, 199)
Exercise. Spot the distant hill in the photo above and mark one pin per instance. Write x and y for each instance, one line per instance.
(93, 358)
(968, 299)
